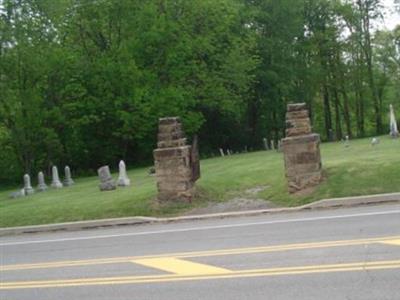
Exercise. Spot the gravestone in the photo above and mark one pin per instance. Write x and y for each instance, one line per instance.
(265, 142)
(175, 162)
(18, 194)
(123, 179)
(42, 186)
(394, 132)
(375, 141)
(106, 181)
(27, 185)
(347, 141)
(221, 151)
(68, 179)
(55, 181)
(301, 150)
(272, 145)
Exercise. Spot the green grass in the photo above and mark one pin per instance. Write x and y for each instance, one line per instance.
(357, 170)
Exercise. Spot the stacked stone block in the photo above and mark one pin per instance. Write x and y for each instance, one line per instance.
(301, 150)
(173, 163)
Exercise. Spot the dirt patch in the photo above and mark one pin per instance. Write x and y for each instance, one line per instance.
(256, 190)
(236, 204)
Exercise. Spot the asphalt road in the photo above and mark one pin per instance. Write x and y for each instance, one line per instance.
(351, 253)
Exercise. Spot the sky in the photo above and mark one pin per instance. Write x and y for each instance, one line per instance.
(392, 18)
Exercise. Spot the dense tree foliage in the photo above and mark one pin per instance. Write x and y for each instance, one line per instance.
(83, 82)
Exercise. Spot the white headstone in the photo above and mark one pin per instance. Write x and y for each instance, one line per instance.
(18, 194)
(347, 141)
(55, 180)
(221, 151)
(265, 141)
(68, 179)
(272, 145)
(27, 185)
(394, 131)
(374, 141)
(42, 186)
(123, 179)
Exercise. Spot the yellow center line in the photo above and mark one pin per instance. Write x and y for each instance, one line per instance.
(237, 251)
(392, 242)
(314, 269)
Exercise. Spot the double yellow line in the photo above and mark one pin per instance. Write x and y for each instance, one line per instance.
(237, 251)
(183, 270)
(360, 266)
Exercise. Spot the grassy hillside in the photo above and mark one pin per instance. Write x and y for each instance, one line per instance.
(358, 170)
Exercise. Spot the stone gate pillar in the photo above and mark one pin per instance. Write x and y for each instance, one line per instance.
(301, 150)
(176, 164)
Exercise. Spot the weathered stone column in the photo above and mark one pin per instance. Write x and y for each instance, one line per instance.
(301, 150)
(176, 164)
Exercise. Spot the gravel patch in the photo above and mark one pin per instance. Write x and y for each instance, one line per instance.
(236, 204)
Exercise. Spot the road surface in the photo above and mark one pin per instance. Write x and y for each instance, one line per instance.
(351, 253)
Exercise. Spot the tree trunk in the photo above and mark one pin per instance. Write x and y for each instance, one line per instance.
(327, 113)
(338, 124)
(365, 8)
(346, 113)
(375, 98)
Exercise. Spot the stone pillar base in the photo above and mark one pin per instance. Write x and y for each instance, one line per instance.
(302, 161)
(176, 164)
(174, 174)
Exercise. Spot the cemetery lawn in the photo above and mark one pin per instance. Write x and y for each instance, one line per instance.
(358, 170)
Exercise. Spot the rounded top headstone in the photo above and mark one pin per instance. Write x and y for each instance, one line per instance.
(55, 182)
(104, 173)
(40, 177)
(27, 185)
